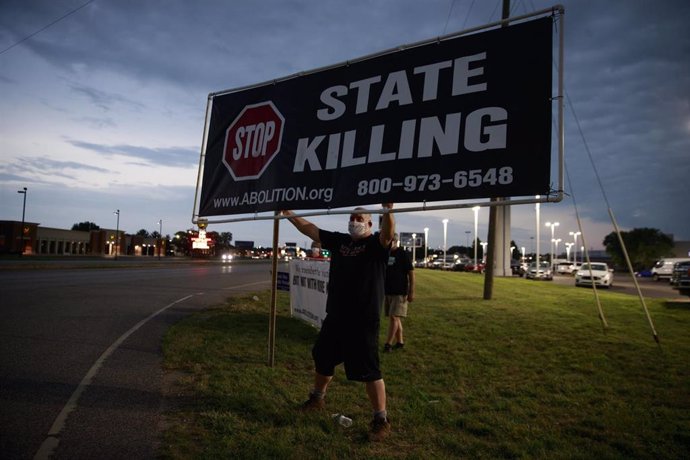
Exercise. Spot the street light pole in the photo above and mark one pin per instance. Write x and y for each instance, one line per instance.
(414, 247)
(445, 230)
(536, 207)
(426, 244)
(476, 215)
(567, 251)
(160, 238)
(117, 234)
(575, 235)
(553, 226)
(21, 232)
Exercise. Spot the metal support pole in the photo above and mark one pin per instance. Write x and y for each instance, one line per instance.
(117, 234)
(22, 246)
(160, 238)
(274, 287)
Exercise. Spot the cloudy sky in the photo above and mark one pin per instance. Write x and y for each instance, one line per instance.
(102, 104)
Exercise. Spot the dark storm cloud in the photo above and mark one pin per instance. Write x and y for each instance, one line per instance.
(627, 72)
(168, 156)
(104, 99)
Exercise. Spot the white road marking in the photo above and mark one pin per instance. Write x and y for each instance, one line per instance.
(51, 442)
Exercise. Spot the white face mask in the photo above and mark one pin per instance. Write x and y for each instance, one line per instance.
(357, 229)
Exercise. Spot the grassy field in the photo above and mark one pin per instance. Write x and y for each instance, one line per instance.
(529, 374)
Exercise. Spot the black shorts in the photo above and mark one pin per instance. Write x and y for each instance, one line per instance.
(355, 344)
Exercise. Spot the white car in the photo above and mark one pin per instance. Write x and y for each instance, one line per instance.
(565, 268)
(544, 272)
(597, 272)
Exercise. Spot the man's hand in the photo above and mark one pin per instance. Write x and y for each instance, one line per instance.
(387, 226)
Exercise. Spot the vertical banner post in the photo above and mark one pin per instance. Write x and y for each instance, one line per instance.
(274, 287)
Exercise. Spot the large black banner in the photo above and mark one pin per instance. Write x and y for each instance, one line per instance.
(463, 118)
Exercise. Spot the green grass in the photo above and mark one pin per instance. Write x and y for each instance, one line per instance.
(529, 374)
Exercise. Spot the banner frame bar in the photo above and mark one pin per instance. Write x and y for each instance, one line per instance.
(554, 196)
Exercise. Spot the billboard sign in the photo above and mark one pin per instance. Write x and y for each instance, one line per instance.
(459, 118)
(407, 241)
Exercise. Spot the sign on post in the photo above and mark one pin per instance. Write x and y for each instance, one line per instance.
(458, 118)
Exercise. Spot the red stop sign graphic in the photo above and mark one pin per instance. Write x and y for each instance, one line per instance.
(253, 140)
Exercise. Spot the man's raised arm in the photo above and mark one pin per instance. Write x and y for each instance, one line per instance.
(303, 225)
(387, 226)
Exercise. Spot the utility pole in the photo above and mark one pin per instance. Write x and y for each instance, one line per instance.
(22, 246)
(117, 234)
(499, 221)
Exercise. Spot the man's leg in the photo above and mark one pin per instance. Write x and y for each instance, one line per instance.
(317, 394)
(392, 331)
(376, 391)
(399, 329)
(321, 382)
(380, 425)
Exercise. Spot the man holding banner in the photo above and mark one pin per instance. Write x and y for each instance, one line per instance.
(349, 333)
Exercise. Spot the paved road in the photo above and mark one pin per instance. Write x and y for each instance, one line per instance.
(623, 283)
(80, 353)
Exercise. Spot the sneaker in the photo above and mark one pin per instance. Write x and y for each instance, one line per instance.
(380, 429)
(313, 404)
(387, 348)
(398, 346)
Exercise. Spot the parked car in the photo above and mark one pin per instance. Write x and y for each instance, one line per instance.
(680, 279)
(663, 268)
(470, 267)
(565, 268)
(543, 273)
(460, 264)
(597, 273)
(448, 264)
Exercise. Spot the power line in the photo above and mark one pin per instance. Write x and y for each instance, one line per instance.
(45, 27)
(448, 18)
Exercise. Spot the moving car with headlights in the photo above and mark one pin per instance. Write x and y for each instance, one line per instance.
(594, 273)
(543, 273)
(680, 279)
(226, 257)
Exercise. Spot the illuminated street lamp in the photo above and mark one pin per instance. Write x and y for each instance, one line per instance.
(22, 245)
(567, 250)
(445, 232)
(414, 248)
(553, 226)
(426, 244)
(575, 235)
(476, 215)
(556, 241)
(117, 233)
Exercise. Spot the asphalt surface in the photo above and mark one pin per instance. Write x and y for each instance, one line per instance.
(623, 283)
(80, 350)
(80, 347)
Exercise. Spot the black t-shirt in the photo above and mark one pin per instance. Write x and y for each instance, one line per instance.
(356, 278)
(399, 264)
